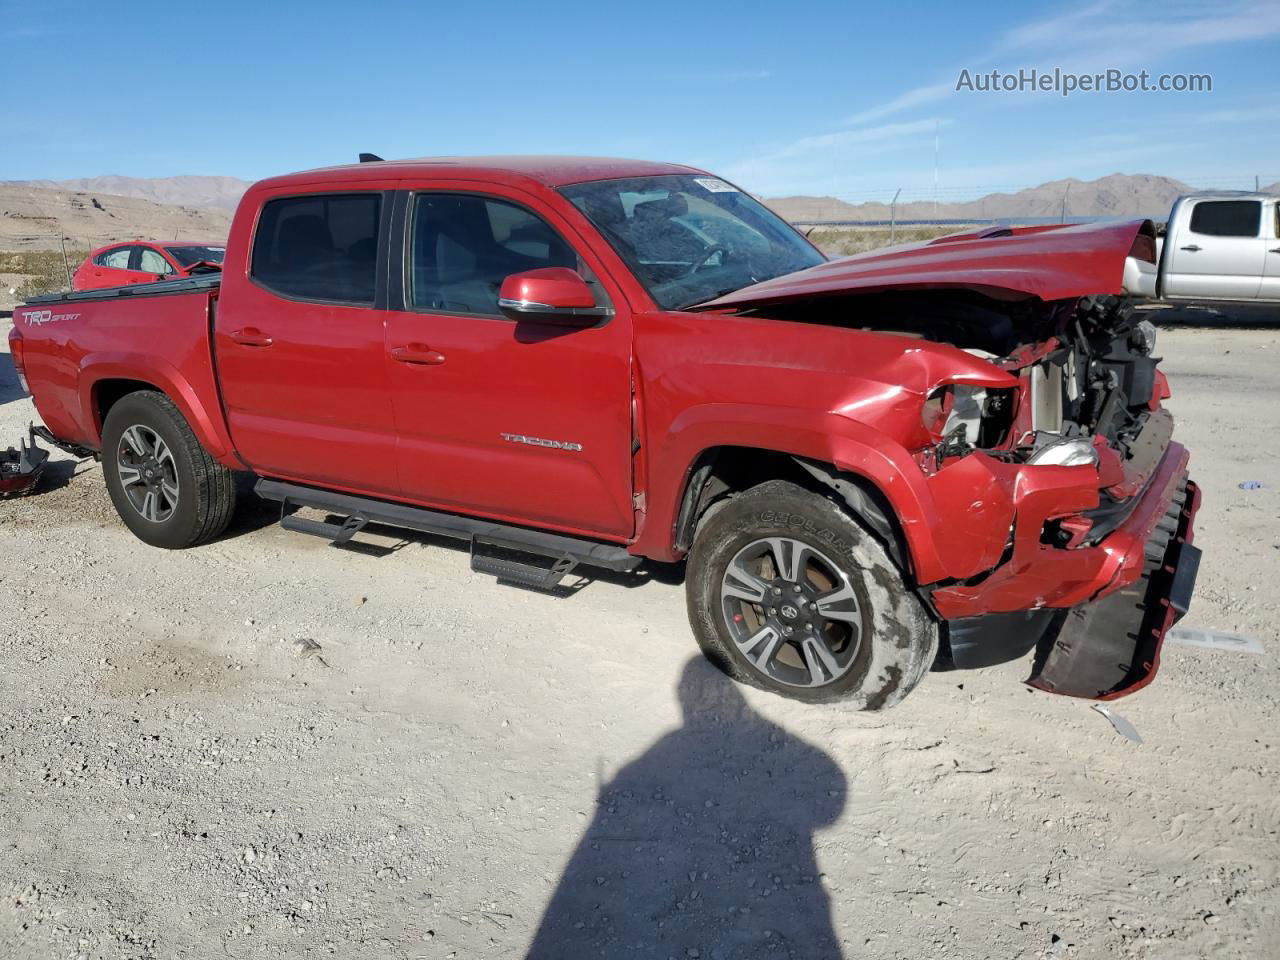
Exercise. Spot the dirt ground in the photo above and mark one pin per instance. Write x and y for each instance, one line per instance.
(463, 769)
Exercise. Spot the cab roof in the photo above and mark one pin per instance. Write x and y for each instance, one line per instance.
(550, 171)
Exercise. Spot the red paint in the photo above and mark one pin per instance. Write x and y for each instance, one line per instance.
(1057, 264)
(557, 287)
(595, 430)
(1160, 391)
(1039, 575)
(93, 276)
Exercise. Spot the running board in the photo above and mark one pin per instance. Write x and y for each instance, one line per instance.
(359, 511)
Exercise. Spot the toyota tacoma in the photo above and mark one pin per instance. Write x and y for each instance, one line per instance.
(953, 452)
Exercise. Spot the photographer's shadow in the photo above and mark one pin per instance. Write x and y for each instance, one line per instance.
(704, 843)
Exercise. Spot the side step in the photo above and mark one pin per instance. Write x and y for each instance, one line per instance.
(337, 532)
(523, 574)
(566, 552)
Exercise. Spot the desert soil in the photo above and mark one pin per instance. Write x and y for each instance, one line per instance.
(269, 747)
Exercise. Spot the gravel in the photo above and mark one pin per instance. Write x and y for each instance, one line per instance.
(270, 747)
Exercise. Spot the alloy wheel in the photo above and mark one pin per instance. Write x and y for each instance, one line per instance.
(148, 473)
(792, 612)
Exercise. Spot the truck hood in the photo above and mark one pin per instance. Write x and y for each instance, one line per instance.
(1007, 263)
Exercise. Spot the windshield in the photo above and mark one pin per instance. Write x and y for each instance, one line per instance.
(188, 255)
(691, 238)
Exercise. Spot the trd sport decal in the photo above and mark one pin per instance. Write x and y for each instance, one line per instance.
(36, 318)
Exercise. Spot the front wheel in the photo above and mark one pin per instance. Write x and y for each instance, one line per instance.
(163, 483)
(788, 593)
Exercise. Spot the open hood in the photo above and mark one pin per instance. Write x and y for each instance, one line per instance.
(1007, 263)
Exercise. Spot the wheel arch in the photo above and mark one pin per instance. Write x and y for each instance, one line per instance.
(718, 473)
(104, 381)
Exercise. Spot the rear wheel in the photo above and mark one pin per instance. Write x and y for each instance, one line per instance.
(788, 593)
(165, 486)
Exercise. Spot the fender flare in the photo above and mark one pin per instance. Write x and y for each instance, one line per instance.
(848, 446)
(209, 427)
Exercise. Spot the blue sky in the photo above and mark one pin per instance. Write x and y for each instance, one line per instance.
(821, 98)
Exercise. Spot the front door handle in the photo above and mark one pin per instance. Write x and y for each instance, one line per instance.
(417, 353)
(1191, 247)
(251, 337)
(1275, 249)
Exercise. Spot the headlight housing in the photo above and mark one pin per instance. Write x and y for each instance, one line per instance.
(1143, 337)
(968, 415)
(1070, 452)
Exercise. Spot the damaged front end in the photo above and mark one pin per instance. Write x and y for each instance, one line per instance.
(1098, 562)
(1052, 509)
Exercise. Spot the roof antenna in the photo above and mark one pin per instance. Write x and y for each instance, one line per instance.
(370, 158)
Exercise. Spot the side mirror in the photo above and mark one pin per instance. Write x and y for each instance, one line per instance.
(550, 295)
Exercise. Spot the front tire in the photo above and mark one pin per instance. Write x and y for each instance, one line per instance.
(788, 593)
(165, 486)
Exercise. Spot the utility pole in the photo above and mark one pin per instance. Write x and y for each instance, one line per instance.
(1064, 202)
(62, 241)
(936, 125)
(893, 216)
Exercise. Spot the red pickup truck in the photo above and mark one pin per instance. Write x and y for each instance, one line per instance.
(950, 451)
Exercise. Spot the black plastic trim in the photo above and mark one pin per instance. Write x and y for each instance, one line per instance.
(160, 288)
(594, 553)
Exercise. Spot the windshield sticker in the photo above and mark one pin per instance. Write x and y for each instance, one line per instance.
(714, 185)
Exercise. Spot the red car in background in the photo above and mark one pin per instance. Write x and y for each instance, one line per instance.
(141, 261)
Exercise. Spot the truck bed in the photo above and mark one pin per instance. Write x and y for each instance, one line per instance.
(159, 288)
(82, 349)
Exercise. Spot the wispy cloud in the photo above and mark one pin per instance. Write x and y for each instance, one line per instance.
(1246, 112)
(1100, 36)
(816, 159)
(904, 101)
(1121, 34)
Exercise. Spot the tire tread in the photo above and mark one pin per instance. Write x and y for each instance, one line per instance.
(215, 495)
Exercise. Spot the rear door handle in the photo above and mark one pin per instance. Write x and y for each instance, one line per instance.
(1192, 247)
(417, 353)
(251, 337)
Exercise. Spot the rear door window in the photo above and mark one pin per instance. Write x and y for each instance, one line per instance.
(463, 246)
(319, 247)
(117, 259)
(1227, 218)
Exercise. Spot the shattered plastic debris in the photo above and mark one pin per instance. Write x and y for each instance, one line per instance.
(1250, 484)
(1213, 640)
(1123, 726)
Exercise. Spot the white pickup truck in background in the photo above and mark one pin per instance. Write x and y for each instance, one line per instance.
(1217, 246)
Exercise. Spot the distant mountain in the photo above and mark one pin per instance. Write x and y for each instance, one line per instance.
(221, 192)
(1117, 195)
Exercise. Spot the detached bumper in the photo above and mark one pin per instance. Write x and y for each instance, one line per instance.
(1038, 575)
(1098, 613)
(1111, 648)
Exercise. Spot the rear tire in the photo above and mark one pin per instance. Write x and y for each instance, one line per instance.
(165, 486)
(834, 618)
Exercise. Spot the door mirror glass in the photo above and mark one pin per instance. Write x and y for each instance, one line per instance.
(551, 295)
